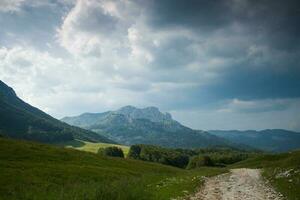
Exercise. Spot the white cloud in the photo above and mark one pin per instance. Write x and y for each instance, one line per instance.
(68, 86)
(94, 27)
(10, 5)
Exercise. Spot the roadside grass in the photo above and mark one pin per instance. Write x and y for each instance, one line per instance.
(36, 171)
(92, 147)
(281, 170)
(182, 186)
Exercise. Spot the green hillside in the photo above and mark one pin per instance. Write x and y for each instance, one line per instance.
(21, 120)
(282, 170)
(30, 170)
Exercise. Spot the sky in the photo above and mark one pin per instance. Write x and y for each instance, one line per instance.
(213, 64)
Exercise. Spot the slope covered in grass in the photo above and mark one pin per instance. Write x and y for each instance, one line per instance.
(282, 170)
(37, 171)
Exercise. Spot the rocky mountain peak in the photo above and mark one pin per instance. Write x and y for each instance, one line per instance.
(151, 113)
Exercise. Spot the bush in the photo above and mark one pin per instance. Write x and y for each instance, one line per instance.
(111, 151)
(199, 161)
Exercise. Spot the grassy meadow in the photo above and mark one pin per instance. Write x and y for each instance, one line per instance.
(91, 146)
(36, 171)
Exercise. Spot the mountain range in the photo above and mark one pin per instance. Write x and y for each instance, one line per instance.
(130, 125)
(20, 120)
(273, 140)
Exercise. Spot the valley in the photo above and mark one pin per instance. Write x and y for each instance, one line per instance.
(149, 100)
(45, 158)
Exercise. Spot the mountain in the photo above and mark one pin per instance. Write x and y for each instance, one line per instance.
(151, 113)
(274, 140)
(21, 120)
(131, 125)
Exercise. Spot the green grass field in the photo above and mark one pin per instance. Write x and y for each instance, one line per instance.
(36, 171)
(282, 170)
(92, 147)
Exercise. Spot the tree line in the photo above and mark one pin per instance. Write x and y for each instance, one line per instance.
(182, 158)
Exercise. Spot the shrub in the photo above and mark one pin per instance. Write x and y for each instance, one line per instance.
(111, 151)
(199, 161)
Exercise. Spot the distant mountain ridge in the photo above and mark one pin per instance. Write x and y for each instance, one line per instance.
(274, 140)
(151, 113)
(130, 125)
(21, 120)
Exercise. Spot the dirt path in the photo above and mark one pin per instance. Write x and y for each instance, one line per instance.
(239, 184)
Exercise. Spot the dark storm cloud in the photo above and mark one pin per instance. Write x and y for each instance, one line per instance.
(278, 17)
(277, 20)
(192, 13)
(247, 84)
(275, 23)
(273, 26)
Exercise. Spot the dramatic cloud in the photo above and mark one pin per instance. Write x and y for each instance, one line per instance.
(201, 60)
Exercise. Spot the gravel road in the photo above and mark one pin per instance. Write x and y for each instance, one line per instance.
(239, 184)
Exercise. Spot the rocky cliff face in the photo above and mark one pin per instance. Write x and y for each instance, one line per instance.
(151, 113)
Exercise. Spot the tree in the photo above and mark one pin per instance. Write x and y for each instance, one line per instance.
(199, 161)
(134, 152)
(111, 151)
